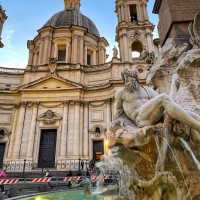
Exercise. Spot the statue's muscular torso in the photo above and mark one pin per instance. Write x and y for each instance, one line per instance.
(132, 102)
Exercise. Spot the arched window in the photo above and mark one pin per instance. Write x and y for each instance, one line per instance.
(133, 13)
(136, 49)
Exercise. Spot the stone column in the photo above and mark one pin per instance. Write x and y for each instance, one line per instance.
(19, 130)
(119, 14)
(63, 137)
(141, 12)
(67, 52)
(81, 131)
(94, 58)
(138, 13)
(108, 113)
(81, 59)
(146, 18)
(126, 49)
(74, 49)
(101, 55)
(121, 47)
(55, 50)
(30, 59)
(76, 129)
(126, 13)
(13, 132)
(122, 12)
(49, 45)
(45, 54)
(86, 131)
(41, 52)
(149, 40)
(85, 56)
(31, 138)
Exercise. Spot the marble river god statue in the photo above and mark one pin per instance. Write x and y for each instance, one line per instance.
(156, 133)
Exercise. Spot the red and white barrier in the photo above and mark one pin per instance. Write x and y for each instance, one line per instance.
(94, 178)
(8, 181)
(76, 178)
(67, 179)
(41, 180)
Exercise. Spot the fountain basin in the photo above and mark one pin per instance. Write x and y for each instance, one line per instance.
(72, 195)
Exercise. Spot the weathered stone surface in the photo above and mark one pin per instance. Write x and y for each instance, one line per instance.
(175, 16)
(162, 158)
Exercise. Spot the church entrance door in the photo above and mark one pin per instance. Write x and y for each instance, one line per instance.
(98, 150)
(2, 150)
(47, 148)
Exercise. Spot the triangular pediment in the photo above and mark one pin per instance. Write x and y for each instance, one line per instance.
(51, 82)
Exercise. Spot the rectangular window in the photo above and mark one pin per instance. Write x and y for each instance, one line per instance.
(133, 12)
(61, 55)
(88, 59)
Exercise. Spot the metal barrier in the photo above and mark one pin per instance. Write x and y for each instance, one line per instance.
(8, 181)
(18, 187)
(41, 180)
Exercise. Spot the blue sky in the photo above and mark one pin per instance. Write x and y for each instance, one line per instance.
(25, 17)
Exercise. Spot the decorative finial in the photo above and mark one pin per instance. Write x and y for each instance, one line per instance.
(72, 4)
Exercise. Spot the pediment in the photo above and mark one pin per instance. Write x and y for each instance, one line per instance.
(51, 83)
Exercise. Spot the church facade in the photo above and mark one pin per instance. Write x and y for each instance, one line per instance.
(58, 110)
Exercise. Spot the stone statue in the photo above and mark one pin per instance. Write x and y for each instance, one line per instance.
(115, 52)
(155, 134)
(145, 107)
(86, 183)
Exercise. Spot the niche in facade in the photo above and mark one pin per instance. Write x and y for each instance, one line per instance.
(97, 132)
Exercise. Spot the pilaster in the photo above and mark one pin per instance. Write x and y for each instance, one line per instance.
(32, 131)
(19, 131)
(86, 131)
(76, 129)
(63, 138)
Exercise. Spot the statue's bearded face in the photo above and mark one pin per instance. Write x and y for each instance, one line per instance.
(131, 83)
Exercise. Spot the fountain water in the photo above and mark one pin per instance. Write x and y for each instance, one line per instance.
(187, 146)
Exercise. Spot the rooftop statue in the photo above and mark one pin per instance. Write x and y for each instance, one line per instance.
(115, 52)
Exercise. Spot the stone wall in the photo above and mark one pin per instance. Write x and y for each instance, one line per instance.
(175, 16)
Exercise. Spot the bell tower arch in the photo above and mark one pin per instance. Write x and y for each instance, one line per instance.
(134, 30)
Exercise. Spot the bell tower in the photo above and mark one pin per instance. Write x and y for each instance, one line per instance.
(134, 31)
(3, 17)
(72, 4)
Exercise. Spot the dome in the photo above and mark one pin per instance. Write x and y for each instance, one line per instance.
(68, 18)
